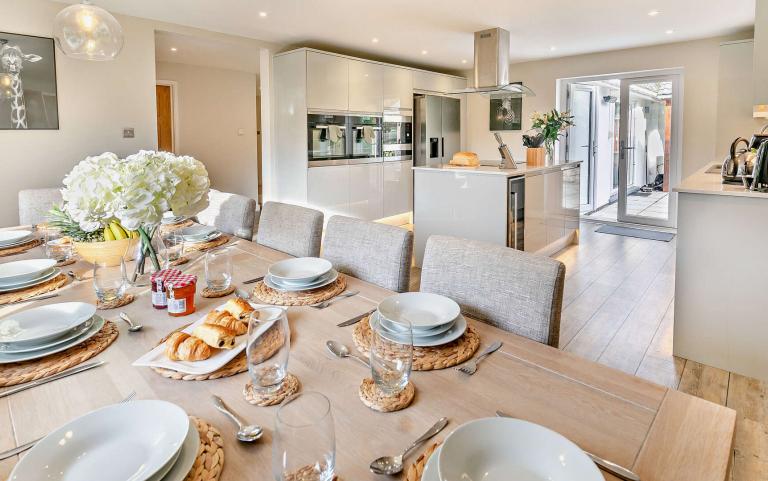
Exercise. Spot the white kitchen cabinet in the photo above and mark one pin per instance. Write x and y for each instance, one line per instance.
(398, 188)
(397, 88)
(535, 213)
(435, 82)
(553, 205)
(571, 200)
(327, 82)
(365, 86)
(365, 191)
(328, 189)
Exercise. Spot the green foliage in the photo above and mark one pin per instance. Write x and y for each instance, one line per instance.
(551, 125)
(59, 219)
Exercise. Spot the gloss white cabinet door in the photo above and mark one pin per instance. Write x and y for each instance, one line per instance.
(535, 213)
(328, 189)
(365, 191)
(327, 82)
(398, 188)
(398, 88)
(553, 205)
(365, 86)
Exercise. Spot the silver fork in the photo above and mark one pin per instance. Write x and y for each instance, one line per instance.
(470, 367)
(24, 447)
(324, 304)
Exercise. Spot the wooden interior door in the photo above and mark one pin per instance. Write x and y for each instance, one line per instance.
(164, 118)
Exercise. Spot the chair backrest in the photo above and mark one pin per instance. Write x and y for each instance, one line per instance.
(376, 253)
(230, 213)
(513, 290)
(34, 204)
(289, 228)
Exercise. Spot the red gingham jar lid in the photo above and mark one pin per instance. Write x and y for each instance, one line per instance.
(180, 280)
(164, 274)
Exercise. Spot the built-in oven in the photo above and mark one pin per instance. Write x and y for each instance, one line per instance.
(364, 138)
(327, 139)
(397, 137)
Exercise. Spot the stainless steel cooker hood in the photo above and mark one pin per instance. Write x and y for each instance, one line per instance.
(491, 75)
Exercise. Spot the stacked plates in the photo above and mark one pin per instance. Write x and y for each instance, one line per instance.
(300, 274)
(170, 219)
(135, 441)
(197, 234)
(13, 238)
(23, 274)
(435, 319)
(46, 330)
(499, 449)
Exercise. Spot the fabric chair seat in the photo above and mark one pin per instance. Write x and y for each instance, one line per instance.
(230, 213)
(289, 228)
(34, 204)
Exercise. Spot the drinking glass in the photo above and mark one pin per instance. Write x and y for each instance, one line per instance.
(304, 443)
(218, 269)
(174, 247)
(269, 343)
(57, 246)
(391, 355)
(109, 280)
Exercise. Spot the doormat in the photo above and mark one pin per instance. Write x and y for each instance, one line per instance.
(639, 233)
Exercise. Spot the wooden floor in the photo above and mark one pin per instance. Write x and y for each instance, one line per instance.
(618, 310)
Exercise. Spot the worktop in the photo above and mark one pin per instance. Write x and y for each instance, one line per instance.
(707, 180)
(522, 169)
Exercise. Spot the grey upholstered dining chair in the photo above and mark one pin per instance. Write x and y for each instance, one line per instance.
(230, 213)
(376, 253)
(34, 204)
(513, 290)
(289, 228)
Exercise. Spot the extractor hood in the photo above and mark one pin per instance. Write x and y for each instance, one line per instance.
(491, 76)
(760, 61)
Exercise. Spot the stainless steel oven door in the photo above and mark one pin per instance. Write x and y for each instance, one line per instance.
(365, 139)
(327, 140)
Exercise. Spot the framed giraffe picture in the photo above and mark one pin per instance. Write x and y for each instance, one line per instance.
(28, 98)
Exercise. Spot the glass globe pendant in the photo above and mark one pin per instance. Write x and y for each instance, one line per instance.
(88, 32)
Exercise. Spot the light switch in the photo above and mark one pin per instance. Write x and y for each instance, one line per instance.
(128, 133)
(240, 131)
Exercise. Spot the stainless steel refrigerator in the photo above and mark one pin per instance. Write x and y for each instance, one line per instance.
(437, 129)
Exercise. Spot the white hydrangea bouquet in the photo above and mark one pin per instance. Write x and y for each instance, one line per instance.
(135, 191)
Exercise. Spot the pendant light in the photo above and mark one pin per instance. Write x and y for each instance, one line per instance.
(87, 32)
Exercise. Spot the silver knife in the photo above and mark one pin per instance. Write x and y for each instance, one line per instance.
(619, 471)
(30, 299)
(355, 319)
(255, 279)
(61, 375)
(18, 450)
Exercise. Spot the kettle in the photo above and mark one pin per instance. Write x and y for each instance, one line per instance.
(737, 162)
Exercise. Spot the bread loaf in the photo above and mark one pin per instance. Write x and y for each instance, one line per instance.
(180, 346)
(215, 336)
(465, 159)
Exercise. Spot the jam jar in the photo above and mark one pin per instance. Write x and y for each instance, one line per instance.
(181, 294)
(159, 295)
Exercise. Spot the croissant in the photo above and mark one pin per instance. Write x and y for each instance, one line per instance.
(215, 336)
(180, 346)
(240, 308)
(225, 319)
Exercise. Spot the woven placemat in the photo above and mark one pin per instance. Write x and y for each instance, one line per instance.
(289, 387)
(179, 262)
(415, 470)
(301, 298)
(166, 228)
(9, 251)
(426, 358)
(382, 402)
(204, 246)
(114, 304)
(21, 372)
(47, 286)
(212, 293)
(210, 456)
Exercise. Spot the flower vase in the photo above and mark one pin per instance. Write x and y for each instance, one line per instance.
(549, 145)
(147, 260)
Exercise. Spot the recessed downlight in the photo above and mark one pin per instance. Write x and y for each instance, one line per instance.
(262, 14)
(375, 40)
(174, 49)
(463, 60)
(669, 32)
(424, 52)
(653, 13)
(552, 48)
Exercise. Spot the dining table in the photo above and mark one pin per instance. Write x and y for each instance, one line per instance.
(659, 433)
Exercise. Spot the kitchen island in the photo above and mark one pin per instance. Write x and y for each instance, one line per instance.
(535, 209)
(721, 275)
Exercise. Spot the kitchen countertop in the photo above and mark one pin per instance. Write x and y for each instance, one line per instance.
(703, 182)
(522, 169)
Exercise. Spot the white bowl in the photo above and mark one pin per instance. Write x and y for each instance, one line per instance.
(423, 310)
(11, 237)
(500, 449)
(19, 271)
(44, 323)
(196, 232)
(302, 270)
(121, 442)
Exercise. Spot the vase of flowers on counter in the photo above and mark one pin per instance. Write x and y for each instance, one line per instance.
(108, 199)
(551, 126)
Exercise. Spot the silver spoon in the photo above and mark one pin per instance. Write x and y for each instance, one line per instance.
(246, 432)
(341, 351)
(394, 464)
(131, 326)
(75, 276)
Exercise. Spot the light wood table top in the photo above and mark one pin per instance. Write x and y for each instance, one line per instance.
(661, 434)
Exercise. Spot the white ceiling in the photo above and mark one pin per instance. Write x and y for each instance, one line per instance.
(444, 28)
(205, 52)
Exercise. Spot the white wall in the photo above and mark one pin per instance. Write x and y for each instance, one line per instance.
(213, 105)
(96, 100)
(699, 59)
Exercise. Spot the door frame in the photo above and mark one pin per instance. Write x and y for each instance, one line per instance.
(591, 181)
(175, 139)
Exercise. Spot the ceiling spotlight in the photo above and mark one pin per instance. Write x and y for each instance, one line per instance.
(669, 32)
(375, 40)
(174, 49)
(653, 13)
(463, 60)
(552, 48)
(424, 52)
(262, 14)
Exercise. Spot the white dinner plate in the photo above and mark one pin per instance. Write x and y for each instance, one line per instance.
(209, 238)
(321, 282)
(11, 238)
(197, 232)
(420, 332)
(22, 271)
(29, 347)
(179, 469)
(170, 219)
(44, 323)
(422, 309)
(37, 277)
(430, 469)
(500, 449)
(122, 442)
(98, 323)
(301, 270)
(38, 280)
(455, 332)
